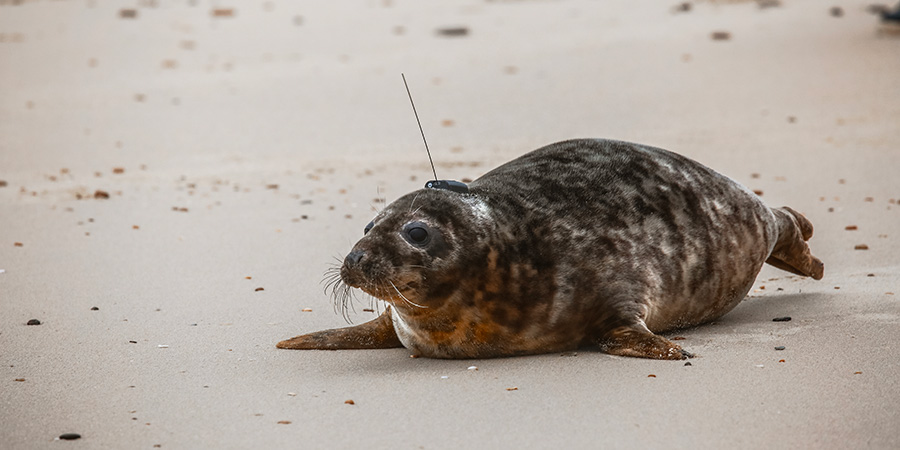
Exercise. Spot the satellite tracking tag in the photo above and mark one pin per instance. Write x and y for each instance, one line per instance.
(449, 185)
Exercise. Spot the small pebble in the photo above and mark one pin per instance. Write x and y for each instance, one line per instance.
(682, 7)
(133, 342)
(472, 368)
(720, 35)
(512, 389)
(70, 436)
(780, 347)
(651, 376)
(760, 366)
(223, 12)
(688, 364)
(33, 322)
(94, 308)
(444, 377)
(258, 289)
(861, 247)
(349, 402)
(284, 422)
(292, 394)
(162, 346)
(20, 379)
(453, 31)
(836, 11)
(782, 319)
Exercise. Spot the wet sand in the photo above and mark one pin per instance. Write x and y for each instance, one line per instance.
(246, 146)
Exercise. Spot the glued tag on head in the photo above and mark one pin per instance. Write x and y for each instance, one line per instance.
(450, 185)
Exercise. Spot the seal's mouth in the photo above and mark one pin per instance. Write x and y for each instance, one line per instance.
(396, 293)
(398, 286)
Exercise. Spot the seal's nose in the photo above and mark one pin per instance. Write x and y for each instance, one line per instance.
(354, 258)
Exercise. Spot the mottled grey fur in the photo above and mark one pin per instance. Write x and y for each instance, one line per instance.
(580, 242)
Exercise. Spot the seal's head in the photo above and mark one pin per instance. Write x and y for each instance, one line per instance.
(414, 252)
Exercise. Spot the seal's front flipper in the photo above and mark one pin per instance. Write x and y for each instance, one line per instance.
(639, 342)
(791, 253)
(378, 333)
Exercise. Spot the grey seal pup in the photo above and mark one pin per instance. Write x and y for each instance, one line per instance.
(586, 242)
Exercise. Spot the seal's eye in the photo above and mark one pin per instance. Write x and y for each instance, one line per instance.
(417, 233)
(368, 227)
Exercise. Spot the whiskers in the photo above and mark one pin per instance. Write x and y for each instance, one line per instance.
(344, 296)
(404, 297)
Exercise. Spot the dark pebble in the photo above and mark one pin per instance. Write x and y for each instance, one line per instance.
(70, 436)
(453, 31)
(133, 342)
(94, 308)
(688, 364)
(780, 347)
(33, 322)
(683, 7)
(782, 319)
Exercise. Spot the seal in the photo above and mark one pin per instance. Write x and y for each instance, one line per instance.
(585, 242)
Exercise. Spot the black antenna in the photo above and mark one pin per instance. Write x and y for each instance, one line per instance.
(450, 185)
(420, 125)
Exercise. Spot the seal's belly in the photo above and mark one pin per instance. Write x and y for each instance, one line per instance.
(469, 334)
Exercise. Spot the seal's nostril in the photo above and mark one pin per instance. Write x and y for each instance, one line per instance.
(354, 257)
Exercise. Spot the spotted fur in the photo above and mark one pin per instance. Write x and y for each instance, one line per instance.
(582, 242)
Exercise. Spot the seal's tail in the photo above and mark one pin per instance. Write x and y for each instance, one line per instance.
(791, 252)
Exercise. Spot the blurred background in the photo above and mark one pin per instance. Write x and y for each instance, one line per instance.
(175, 83)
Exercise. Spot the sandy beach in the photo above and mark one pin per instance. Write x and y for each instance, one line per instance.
(176, 177)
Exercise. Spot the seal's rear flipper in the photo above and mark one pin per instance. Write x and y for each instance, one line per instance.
(639, 342)
(378, 333)
(791, 253)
